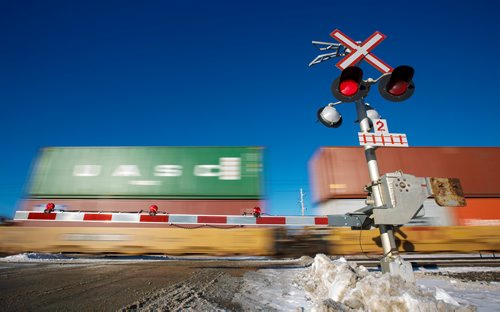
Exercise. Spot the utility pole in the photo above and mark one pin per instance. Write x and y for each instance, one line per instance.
(303, 209)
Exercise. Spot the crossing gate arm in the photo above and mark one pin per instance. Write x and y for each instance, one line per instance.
(170, 219)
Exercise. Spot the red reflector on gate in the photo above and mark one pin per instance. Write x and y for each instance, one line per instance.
(148, 218)
(212, 219)
(97, 217)
(41, 216)
(321, 220)
(271, 220)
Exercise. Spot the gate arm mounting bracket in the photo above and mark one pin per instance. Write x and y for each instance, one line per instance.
(352, 220)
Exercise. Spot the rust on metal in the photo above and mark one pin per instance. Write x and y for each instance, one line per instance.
(448, 192)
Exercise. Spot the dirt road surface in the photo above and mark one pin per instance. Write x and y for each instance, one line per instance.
(177, 285)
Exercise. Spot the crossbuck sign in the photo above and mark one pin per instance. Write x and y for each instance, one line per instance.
(358, 52)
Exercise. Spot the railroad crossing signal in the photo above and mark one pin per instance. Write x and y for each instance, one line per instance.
(358, 52)
(350, 86)
(394, 85)
(398, 85)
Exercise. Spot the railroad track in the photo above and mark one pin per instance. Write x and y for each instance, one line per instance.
(433, 261)
(369, 260)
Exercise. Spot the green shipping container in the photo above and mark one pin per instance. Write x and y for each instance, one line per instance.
(148, 172)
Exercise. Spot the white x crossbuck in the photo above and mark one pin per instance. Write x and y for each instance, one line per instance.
(358, 52)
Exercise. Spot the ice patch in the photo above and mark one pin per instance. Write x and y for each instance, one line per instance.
(443, 295)
(272, 290)
(484, 296)
(340, 285)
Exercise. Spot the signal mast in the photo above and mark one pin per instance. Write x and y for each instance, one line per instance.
(394, 198)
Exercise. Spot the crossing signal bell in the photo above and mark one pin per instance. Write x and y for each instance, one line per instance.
(329, 116)
(398, 85)
(350, 86)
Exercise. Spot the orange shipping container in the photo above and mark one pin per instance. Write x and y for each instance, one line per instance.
(341, 172)
(478, 212)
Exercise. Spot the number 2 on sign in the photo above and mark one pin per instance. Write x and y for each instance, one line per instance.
(380, 126)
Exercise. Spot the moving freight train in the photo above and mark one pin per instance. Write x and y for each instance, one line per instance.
(228, 181)
(338, 176)
(185, 180)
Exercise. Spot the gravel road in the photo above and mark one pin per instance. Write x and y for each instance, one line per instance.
(129, 286)
(160, 285)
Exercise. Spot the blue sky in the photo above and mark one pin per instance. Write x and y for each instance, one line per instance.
(209, 73)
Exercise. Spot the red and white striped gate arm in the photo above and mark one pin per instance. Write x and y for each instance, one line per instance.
(171, 219)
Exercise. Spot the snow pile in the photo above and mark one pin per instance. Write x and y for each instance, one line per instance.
(341, 286)
(34, 257)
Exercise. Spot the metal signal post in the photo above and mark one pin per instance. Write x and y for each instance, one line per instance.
(386, 231)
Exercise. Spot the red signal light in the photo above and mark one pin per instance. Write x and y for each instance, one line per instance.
(348, 87)
(398, 85)
(398, 88)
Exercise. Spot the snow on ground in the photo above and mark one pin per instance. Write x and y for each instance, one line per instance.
(61, 258)
(273, 290)
(338, 285)
(34, 257)
(48, 257)
(484, 296)
(344, 285)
